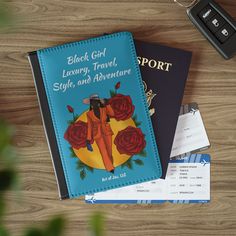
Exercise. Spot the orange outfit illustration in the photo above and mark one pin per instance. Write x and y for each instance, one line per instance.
(100, 130)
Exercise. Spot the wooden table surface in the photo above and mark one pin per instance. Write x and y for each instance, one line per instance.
(211, 83)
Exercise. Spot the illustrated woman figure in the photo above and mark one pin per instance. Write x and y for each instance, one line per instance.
(99, 129)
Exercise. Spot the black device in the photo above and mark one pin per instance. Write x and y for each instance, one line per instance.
(216, 25)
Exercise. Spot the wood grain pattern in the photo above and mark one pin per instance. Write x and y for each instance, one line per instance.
(211, 83)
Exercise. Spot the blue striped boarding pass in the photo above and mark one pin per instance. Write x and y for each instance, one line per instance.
(187, 181)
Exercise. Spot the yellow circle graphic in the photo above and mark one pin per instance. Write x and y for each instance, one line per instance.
(94, 158)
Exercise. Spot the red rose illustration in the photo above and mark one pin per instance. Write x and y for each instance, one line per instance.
(70, 109)
(76, 134)
(122, 106)
(130, 141)
(117, 85)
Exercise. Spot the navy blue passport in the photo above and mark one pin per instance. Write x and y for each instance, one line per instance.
(164, 72)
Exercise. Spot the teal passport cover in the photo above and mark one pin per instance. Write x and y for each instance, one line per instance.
(95, 114)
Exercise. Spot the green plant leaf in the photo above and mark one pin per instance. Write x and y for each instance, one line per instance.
(80, 164)
(2, 206)
(112, 93)
(7, 178)
(89, 168)
(143, 153)
(76, 117)
(138, 162)
(34, 232)
(127, 164)
(55, 227)
(72, 153)
(134, 117)
(82, 174)
(138, 123)
(97, 224)
(70, 122)
(3, 231)
(8, 157)
(6, 133)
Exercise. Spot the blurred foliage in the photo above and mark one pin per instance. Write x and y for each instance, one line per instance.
(7, 159)
(97, 224)
(8, 181)
(53, 228)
